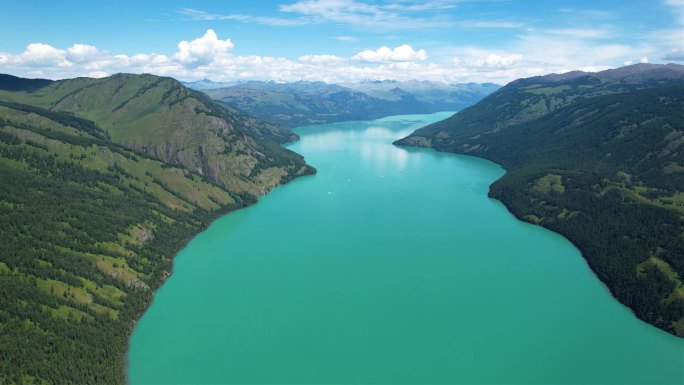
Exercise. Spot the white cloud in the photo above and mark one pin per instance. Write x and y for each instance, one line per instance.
(403, 53)
(320, 59)
(565, 51)
(202, 50)
(97, 74)
(529, 54)
(39, 54)
(494, 60)
(81, 53)
(643, 60)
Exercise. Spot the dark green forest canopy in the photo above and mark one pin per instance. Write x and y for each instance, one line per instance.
(598, 158)
(92, 212)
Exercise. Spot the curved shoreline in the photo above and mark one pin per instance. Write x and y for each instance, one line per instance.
(521, 218)
(209, 221)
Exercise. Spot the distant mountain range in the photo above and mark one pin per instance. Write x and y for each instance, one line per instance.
(206, 84)
(103, 181)
(302, 103)
(598, 158)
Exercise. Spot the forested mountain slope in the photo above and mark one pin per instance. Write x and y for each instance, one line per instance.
(301, 103)
(598, 158)
(103, 181)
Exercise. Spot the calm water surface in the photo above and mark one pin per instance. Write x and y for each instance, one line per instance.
(390, 266)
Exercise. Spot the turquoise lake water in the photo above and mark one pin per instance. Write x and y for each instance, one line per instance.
(390, 266)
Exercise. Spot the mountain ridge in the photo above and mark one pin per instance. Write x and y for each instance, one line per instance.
(303, 102)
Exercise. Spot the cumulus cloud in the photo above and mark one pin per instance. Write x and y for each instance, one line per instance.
(39, 54)
(81, 53)
(320, 59)
(403, 53)
(208, 56)
(202, 50)
(494, 60)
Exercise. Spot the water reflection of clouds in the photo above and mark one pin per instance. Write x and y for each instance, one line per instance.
(378, 132)
(323, 142)
(372, 143)
(383, 155)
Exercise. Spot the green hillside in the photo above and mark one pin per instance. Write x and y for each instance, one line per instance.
(303, 103)
(597, 158)
(103, 181)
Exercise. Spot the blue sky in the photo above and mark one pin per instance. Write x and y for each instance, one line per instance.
(336, 40)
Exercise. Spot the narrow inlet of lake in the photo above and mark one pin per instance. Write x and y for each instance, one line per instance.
(390, 266)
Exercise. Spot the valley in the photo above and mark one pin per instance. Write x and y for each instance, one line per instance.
(303, 103)
(109, 178)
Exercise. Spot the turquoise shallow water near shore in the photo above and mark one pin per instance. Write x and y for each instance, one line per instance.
(390, 265)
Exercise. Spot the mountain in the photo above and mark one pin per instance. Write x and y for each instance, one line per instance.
(206, 84)
(301, 103)
(438, 96)
(103, 181)
(527, 99)
(598, 158)
(161, 118)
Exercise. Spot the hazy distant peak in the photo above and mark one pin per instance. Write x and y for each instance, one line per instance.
(634, 73)
(207, 84)
(643, 71)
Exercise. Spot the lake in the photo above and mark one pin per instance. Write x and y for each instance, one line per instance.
(390, 266)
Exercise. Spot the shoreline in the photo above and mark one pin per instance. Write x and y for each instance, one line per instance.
(521, 219)
(208, 222)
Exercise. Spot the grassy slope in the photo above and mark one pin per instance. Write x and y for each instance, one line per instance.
(90, 227)
(603, 166)
(159, 117)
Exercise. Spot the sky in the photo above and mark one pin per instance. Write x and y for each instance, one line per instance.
(336, 41)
